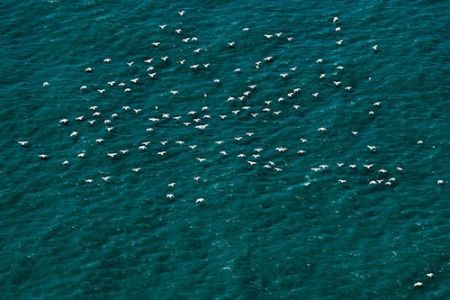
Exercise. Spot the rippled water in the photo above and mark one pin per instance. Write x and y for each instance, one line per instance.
(287, 230)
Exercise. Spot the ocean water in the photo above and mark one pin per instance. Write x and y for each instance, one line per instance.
(275, 224)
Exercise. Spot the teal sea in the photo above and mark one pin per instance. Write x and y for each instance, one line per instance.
(272, 182)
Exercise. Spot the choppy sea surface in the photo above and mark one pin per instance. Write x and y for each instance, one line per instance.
(244, 172)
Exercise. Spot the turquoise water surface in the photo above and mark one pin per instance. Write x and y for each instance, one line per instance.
(275, 152)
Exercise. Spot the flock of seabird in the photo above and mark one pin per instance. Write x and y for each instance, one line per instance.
(199, 119)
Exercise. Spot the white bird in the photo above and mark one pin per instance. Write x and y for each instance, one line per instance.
(181, 12)
(372, 148)
(418, 284)
(340, 42)
(162, 26)
(136, 170)
(46, 84)
(375, 47)
(112, 155)
(174, 92)
(107, 60)
(335, 19)
(23, 143)
(199, 200)
(43, 156)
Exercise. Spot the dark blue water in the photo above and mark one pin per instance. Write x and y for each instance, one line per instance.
(272, 182)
